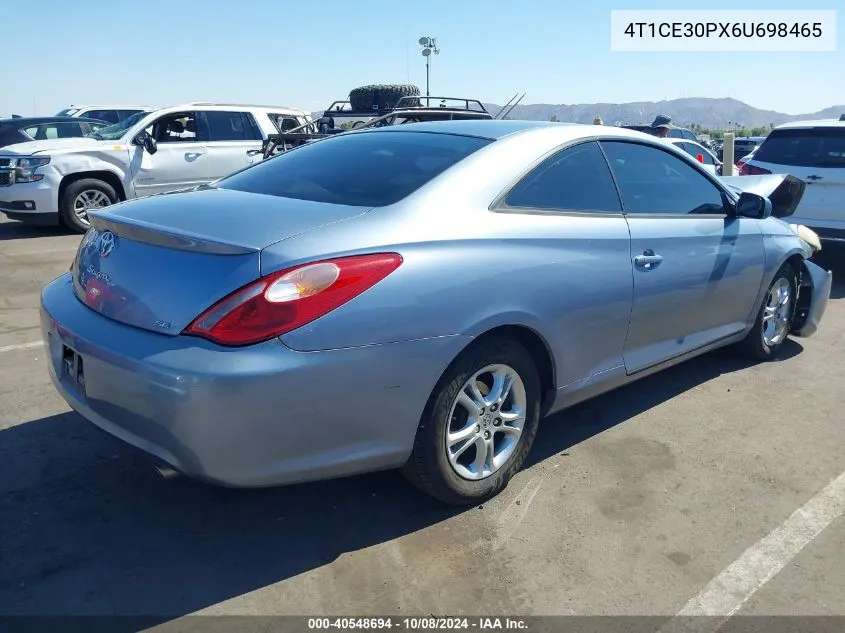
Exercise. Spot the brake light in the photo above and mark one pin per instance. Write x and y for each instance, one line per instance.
(288, 299)
(750, 170)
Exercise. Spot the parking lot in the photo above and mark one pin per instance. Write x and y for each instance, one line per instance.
(631, 504)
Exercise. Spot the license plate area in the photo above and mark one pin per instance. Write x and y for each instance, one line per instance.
(73, 369)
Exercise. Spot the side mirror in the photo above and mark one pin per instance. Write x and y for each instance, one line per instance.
(750, 205)
(147, 142)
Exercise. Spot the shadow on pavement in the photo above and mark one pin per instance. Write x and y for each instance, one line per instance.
(13, 230)
(87, 528)
(581, 422)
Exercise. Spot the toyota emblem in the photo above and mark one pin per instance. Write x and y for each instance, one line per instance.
(106, 243)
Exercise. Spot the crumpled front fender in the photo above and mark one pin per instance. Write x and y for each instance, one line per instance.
(813, 296)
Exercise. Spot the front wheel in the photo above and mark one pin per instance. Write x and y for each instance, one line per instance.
(82, 196)
(479, 424)
(774, 320)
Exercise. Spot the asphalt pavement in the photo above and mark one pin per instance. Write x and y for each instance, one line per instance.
(716, 485)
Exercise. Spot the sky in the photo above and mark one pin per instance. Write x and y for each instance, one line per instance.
(308, 54)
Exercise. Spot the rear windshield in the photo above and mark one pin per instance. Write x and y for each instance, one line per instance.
(372, 169)
(817, 147)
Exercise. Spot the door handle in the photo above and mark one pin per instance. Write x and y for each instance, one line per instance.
(648, 260)
(253, 152)
(814, 177)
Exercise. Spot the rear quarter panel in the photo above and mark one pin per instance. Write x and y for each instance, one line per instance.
(567, 278)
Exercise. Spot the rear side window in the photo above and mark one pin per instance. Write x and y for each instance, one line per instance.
(64, 129)
(574, 179)
(816, 147)
(695, 152)
(111, 116)
(284, 123)
(372, 169)
(228, 126)
(125, 114)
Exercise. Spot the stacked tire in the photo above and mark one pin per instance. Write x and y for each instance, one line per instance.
(376, 97)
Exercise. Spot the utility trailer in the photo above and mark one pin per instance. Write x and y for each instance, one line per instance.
(406, 109)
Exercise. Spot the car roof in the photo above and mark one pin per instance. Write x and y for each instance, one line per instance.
(35, 120)
(496, 128)
(834, 123)
(108, 106)
(245, 106)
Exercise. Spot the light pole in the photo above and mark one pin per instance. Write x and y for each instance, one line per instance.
(429, 46)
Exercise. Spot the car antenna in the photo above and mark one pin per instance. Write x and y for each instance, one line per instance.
(502, 109)
(516, 103)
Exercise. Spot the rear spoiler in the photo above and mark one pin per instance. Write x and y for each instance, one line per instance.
(783, 190)
(166, 237)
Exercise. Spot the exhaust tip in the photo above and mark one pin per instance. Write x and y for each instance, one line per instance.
(165, 471)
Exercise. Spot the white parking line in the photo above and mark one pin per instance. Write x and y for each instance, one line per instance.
(512, 516)
(13, 348)
(731, 589)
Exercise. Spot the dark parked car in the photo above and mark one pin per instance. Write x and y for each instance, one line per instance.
(25, 129)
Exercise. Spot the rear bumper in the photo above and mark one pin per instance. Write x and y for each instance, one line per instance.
(256, 416)
(822, 281)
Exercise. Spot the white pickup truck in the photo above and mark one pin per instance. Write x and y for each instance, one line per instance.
(58, 181)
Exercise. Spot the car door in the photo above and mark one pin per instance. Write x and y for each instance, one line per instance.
(816, 155)
(234, 141)
(570, 200)
(697, 267)
(180, 160)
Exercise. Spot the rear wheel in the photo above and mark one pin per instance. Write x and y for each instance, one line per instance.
(82, 196)
(479, 424)
(774, 320)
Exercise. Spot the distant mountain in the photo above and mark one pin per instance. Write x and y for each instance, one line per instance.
(708, 113)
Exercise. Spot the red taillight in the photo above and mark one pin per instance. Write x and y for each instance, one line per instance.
(290, 298)
(750, 170)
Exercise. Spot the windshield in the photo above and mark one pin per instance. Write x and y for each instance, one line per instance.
(116, 131)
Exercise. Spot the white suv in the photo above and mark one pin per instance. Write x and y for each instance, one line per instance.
(813, 151)
(58, 181)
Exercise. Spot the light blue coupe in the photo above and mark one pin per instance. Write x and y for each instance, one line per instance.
(416, 297)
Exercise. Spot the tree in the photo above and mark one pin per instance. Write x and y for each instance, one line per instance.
(554, 119)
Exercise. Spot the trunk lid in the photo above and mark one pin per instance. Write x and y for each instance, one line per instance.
(156, 263)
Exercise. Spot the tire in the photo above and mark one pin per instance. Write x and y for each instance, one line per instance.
(94, 189)
(429, 468)
(759, 344)
(382, 96)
